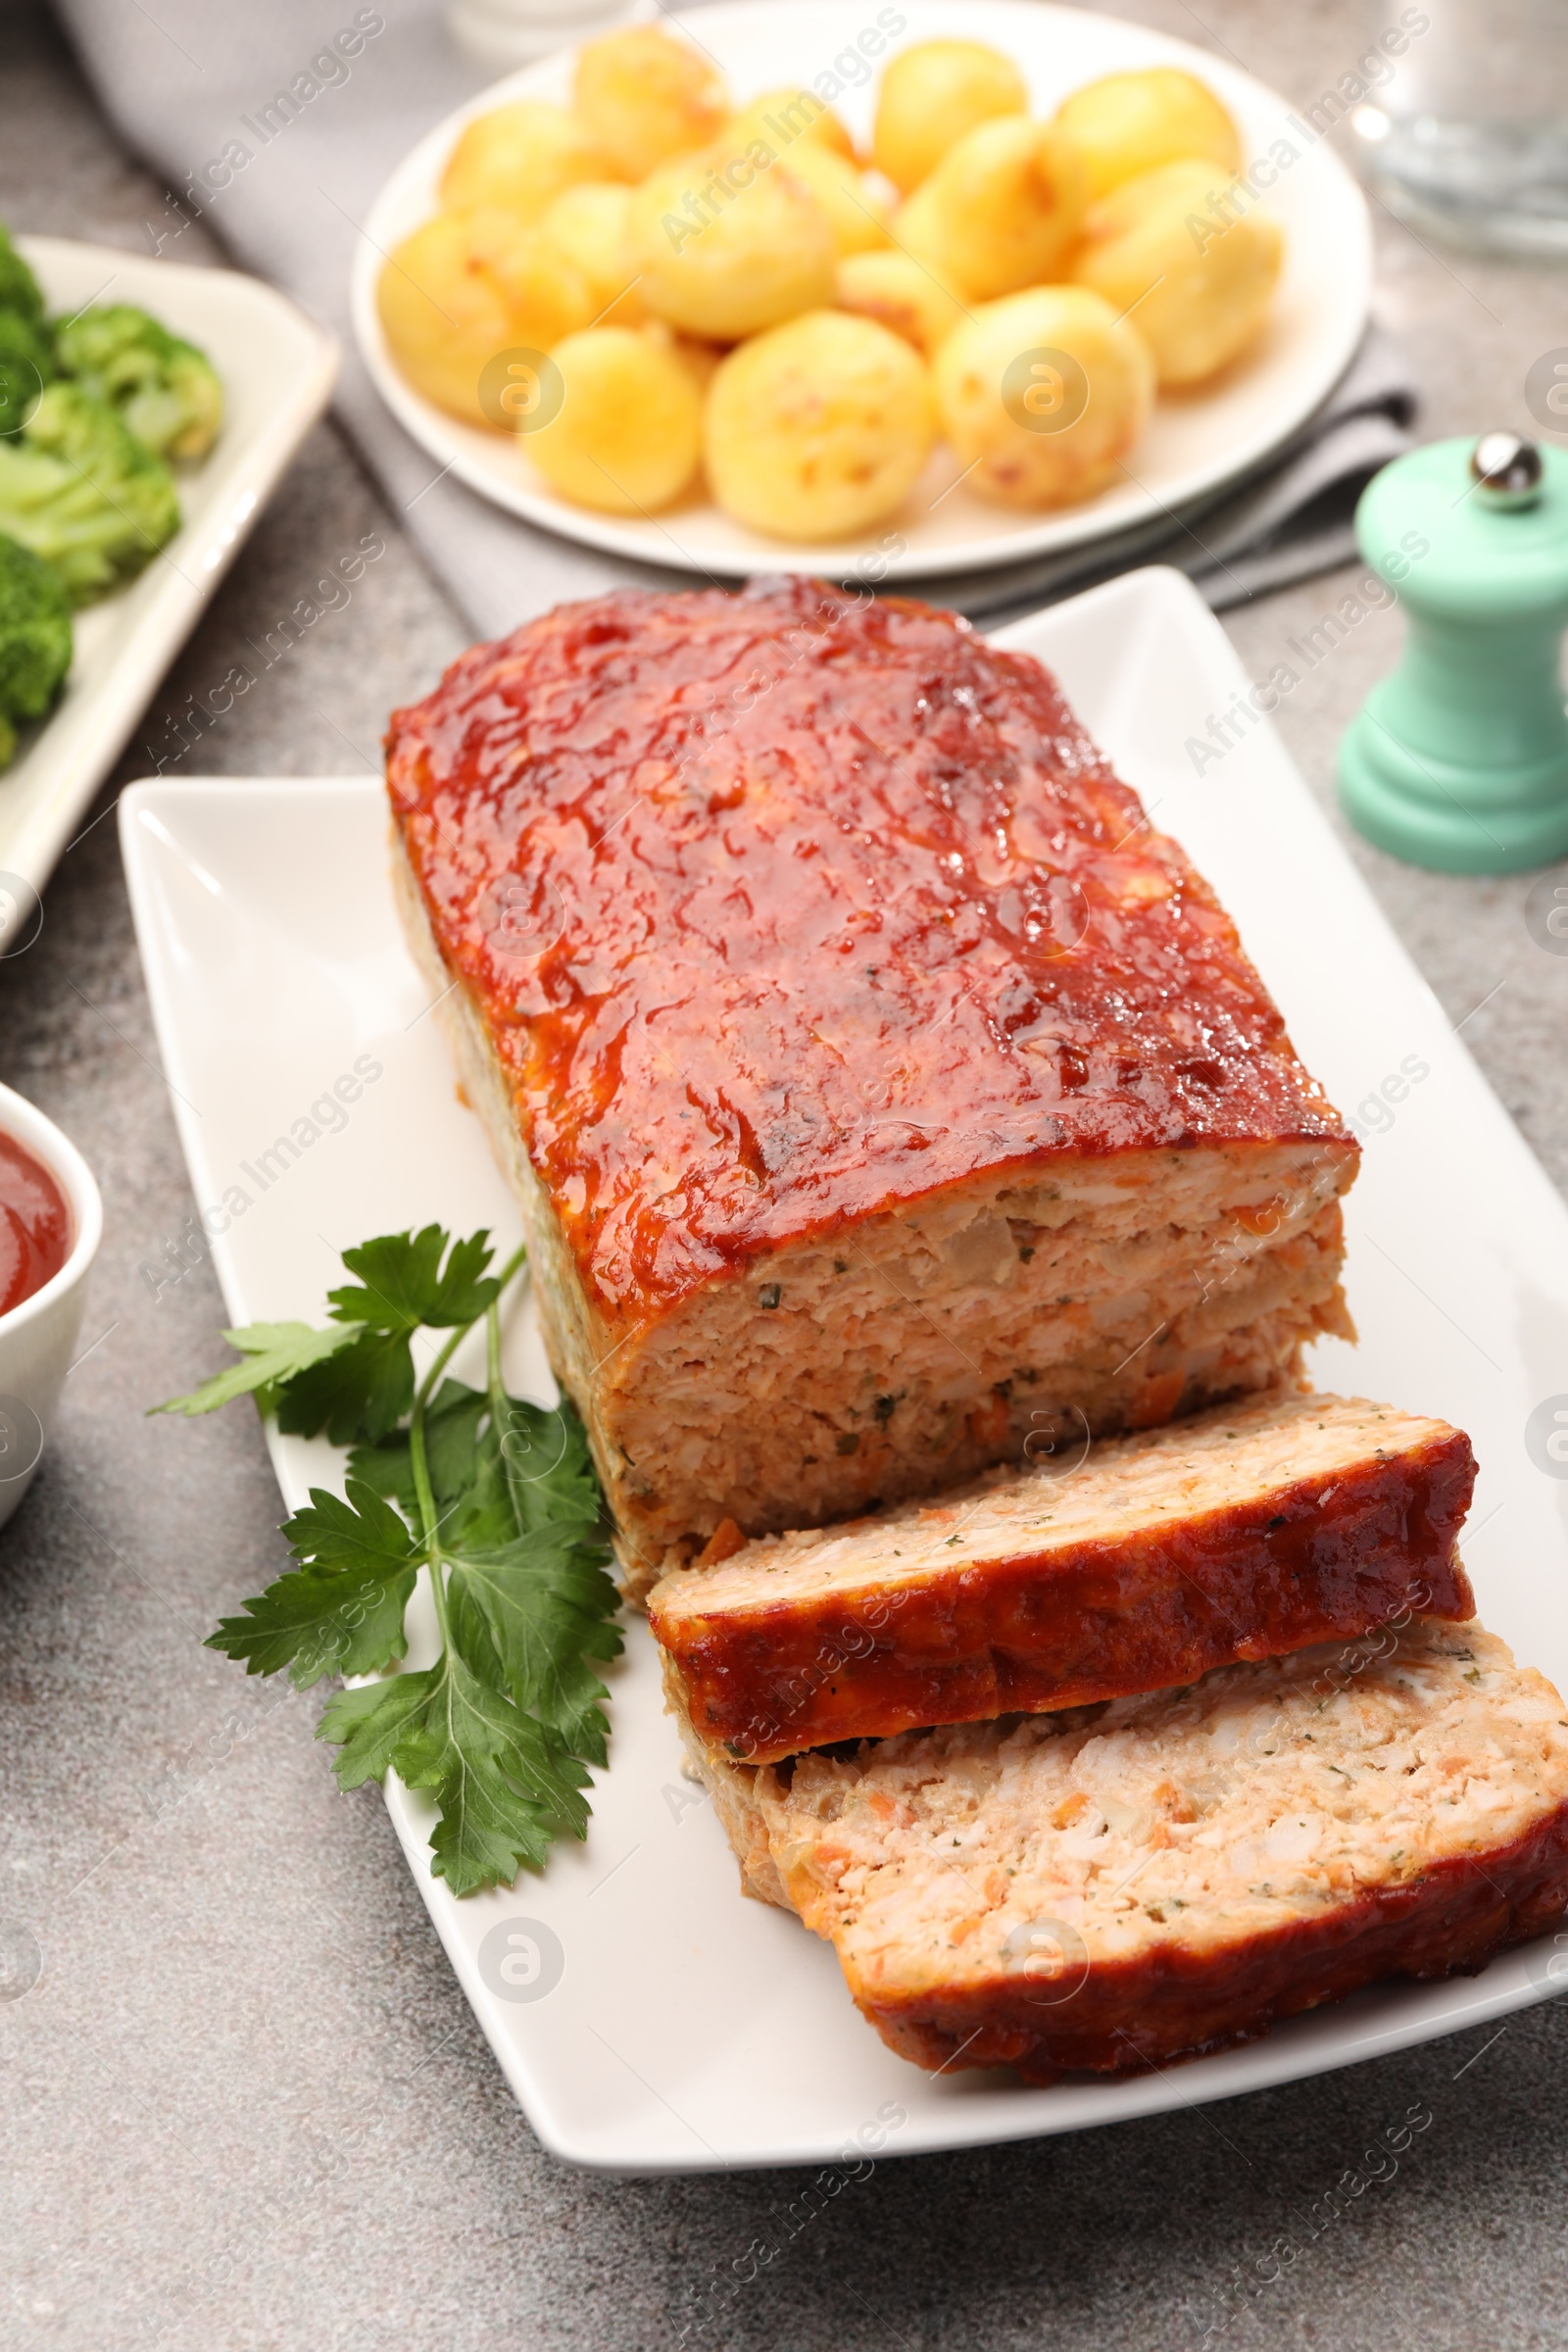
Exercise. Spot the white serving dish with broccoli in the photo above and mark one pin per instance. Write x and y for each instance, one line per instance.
(93, 406)
(147, 411)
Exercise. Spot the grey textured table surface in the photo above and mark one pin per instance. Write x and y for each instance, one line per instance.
(245, 2104)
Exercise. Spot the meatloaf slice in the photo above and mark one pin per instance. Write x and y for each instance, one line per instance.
(1247, 1532)
(876, 1083)
(1125, 1885)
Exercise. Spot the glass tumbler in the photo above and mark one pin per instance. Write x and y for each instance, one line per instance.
(1467, 133)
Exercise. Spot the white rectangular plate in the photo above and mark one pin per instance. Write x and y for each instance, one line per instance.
(688, 2028)
(277, 370)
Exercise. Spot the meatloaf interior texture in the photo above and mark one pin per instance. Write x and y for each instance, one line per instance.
(1130, 1565)
(1120, 1885)
(878, 1086)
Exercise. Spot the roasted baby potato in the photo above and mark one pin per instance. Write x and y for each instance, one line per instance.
(1125, 124)
(817, 428)
(779, 118)
(643, 95)
(1000, 211)
(724, 247)
(931, 94)
(698, 359)
(896, 290)
(1199, 287)
(856, 212)
(467, 287)
(1042, 393)
(519, 158)
(587, 225)
(627, 435)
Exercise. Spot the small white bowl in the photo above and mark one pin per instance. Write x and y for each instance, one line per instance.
(39, 1336)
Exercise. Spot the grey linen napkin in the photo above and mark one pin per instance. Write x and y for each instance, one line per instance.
(190, 88)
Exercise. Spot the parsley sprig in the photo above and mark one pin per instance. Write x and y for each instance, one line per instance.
(495, 1497)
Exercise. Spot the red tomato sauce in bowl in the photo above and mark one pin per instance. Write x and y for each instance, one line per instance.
(35, 1234)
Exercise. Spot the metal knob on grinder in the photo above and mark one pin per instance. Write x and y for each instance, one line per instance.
(1460, 760)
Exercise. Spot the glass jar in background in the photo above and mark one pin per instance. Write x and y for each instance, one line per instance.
(1469, 136)
(500, 34)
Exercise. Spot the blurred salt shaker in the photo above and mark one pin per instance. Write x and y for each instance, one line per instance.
(1464, 119)
(504, 33)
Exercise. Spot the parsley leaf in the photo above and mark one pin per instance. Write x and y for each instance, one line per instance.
(543, 1601)
(451, 1432)
(341, 1609)
(504, 1787)
(492, 1498)
(353, 1534)
(528, 1564)
(361, 1391)
(403, 1283)
(272, 1354)
(519, 1514)
(550, 1472)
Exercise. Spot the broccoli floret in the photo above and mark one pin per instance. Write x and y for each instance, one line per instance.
(26, 365)
(78, 488)
(165, 390)
(18, 288)
(34, 640)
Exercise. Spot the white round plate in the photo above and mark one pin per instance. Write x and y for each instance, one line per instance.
(1194, 443)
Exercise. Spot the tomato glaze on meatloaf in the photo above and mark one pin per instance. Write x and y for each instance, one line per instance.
(876, 1083)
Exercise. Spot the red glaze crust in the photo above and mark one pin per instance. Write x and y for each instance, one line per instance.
(786, 908)
(1131, 2016)
(1098, 1620)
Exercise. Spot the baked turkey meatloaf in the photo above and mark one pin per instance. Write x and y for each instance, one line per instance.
(1121, 1885)
(1249, 1531)
(875, 1081)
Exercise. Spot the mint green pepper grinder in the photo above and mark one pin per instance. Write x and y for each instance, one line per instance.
(1460, 760)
